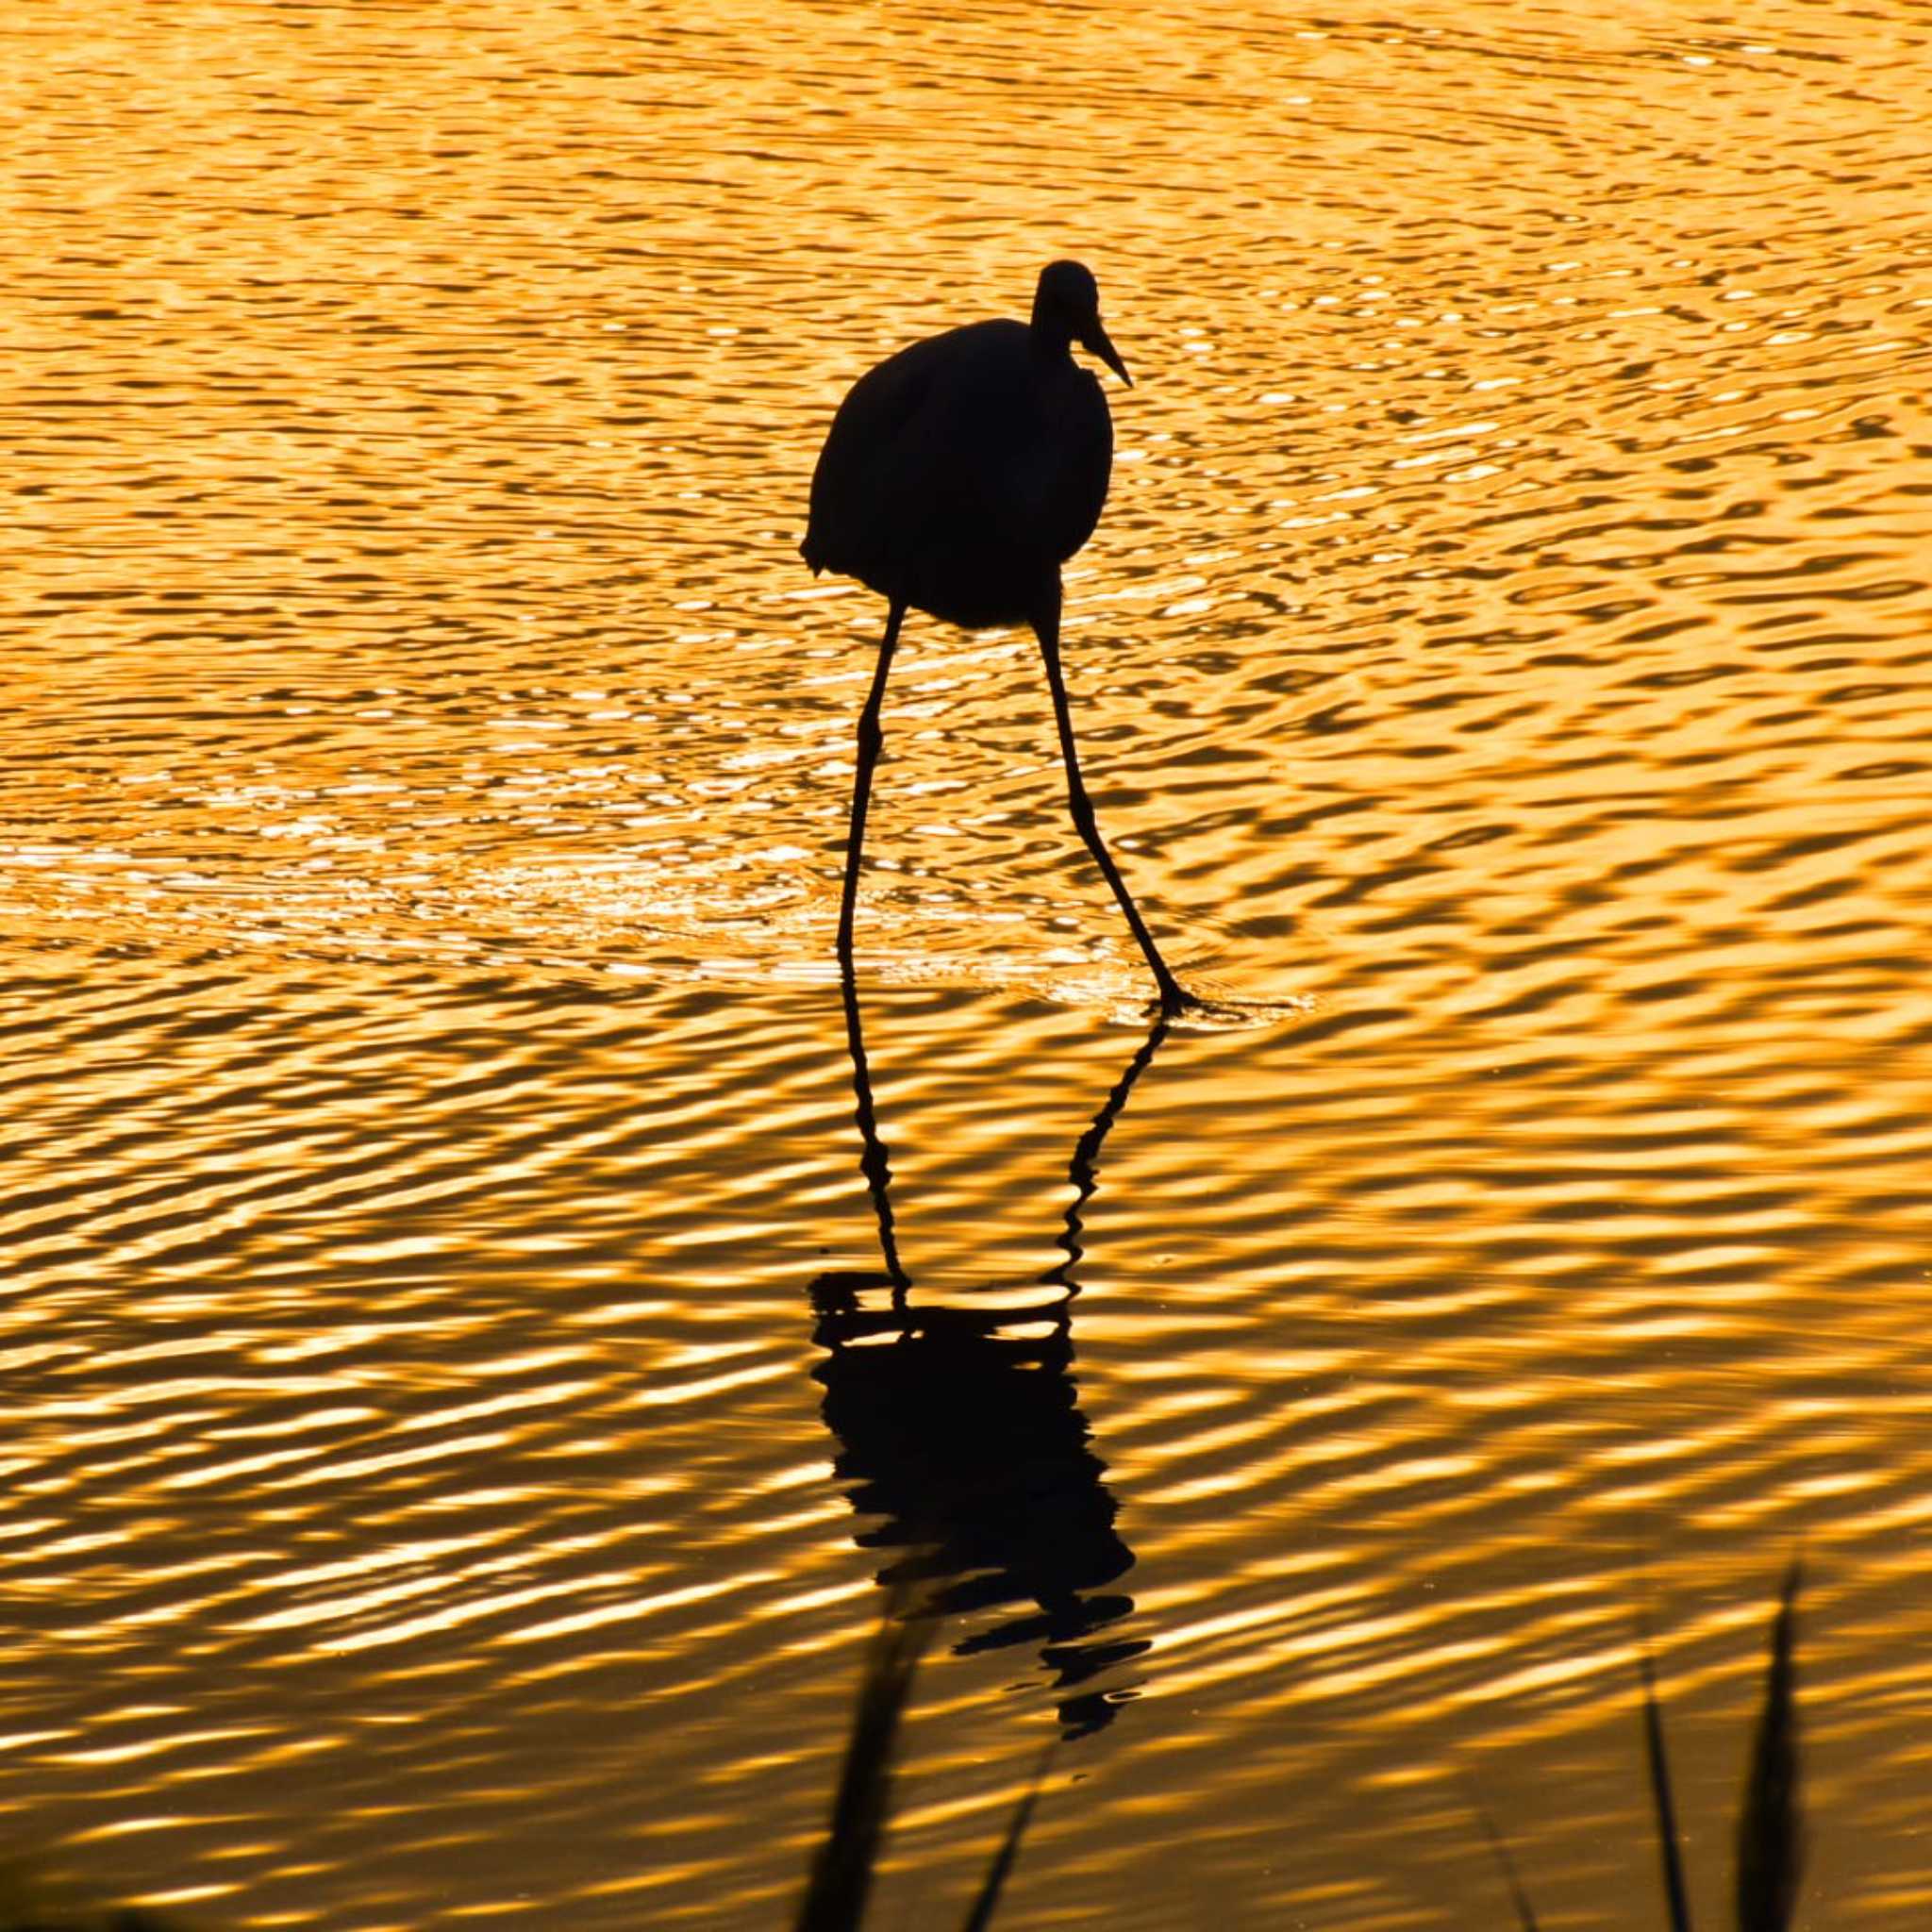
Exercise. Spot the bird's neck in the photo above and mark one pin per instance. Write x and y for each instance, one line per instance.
(1052, 337)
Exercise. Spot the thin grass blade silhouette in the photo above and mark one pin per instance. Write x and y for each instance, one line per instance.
(980, 1917)
(1771, 1850)
(1524, 1916)
(1669, 1851)
(842, 1873)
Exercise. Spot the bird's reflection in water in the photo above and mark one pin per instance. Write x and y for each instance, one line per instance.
(961, 1432)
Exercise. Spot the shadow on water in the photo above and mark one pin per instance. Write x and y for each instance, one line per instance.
(960, 1430)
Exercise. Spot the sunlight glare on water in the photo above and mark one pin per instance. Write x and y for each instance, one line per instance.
(457, 1427)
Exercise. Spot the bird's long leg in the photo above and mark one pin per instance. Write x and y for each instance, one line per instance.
(869, 738)
(1046, 626)
(874, 1162)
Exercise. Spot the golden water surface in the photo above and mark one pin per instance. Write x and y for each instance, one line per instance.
(454, 1425)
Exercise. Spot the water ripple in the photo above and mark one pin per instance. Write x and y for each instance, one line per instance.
(454, 1376)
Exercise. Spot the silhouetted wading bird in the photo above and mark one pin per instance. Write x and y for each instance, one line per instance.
(956, 478)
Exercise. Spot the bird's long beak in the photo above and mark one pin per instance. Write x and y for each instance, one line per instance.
(1096, 341)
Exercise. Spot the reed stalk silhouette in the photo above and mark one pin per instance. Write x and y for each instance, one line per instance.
(1770, 1839)
(1771, 1825)
(840, 1880)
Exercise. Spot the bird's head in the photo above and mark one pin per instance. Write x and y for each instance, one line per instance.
(1066, 307)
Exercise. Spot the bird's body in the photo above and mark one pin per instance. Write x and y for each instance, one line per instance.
(956, 478)
(960, 474)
